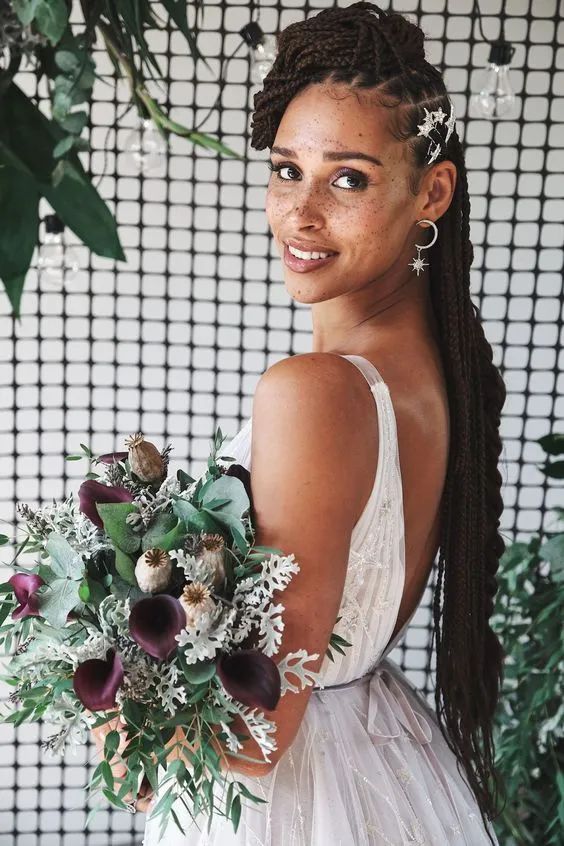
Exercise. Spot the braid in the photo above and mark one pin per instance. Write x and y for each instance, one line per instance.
(367, 47)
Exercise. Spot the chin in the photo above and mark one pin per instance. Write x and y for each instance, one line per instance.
(307, 294)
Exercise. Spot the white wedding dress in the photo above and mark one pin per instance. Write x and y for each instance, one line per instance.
(369, 764)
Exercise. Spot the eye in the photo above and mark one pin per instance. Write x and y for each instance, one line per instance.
(360, 179)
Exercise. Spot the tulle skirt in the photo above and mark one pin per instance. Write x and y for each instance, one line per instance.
(368, 766)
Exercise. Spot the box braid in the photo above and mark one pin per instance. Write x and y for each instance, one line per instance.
(367, 47)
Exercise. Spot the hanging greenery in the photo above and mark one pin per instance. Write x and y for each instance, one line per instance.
(530, 719)
(39, 154)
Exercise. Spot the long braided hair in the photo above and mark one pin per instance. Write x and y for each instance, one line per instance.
(367, 47)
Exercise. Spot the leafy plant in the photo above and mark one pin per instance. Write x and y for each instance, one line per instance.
(39, 155)
(530, 721)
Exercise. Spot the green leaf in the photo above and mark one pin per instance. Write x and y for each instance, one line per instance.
(96, 592)
(553, 444)
(84, 591)
(19, 229)
(111, 744)
(64, 145)
(67, 61)
(25, 10)
(65, 561)
(60, 597)
(27, 140)
(125, 567)
(236, 811)
(52, 18)
(177, 10)
(201, 672)
(74, 122)
(167, 532)
(113, 516)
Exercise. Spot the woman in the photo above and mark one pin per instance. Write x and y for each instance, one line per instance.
(366, 485)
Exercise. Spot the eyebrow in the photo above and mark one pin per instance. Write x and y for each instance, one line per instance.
(331, 156)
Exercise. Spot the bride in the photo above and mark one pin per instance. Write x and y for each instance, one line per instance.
(373, 453)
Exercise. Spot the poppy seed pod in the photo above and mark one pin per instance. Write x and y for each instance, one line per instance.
(144, 459)
(196, 601)
(153, 570)
(210, 550)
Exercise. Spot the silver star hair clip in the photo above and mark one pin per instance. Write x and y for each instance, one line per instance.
(432, 120)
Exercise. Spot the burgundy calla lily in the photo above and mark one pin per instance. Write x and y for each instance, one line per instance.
(154, 622)
(96, 681)
(25, 585)
(91, 492)
(251, 677)
(110, 457)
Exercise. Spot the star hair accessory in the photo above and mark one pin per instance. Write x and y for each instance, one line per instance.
(431, 123)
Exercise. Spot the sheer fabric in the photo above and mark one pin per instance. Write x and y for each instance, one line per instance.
(369, 764)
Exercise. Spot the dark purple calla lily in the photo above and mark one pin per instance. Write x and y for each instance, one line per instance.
(91, 492)
(251, 677)
(154, 622)
(110, 457)
(25, 585)
(96, 681)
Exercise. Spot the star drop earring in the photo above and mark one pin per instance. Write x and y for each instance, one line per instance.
(419, 263)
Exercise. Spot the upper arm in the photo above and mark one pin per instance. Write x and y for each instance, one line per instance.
(306, 456)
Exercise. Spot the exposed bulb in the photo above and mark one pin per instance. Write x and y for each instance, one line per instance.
(496, 98)
(56, 262)
(145, 147)
(263, 50)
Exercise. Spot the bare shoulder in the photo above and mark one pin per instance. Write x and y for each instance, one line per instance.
(315, 412)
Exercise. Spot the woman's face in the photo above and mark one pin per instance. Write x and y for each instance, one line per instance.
(324, 197)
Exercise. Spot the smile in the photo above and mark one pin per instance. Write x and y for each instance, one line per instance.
(305, 265)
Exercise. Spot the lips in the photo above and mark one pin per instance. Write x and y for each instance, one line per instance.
(305, 265)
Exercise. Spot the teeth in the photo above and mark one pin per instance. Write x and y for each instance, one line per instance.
(301, 254)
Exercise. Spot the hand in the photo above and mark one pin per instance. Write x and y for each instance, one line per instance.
(143, 801)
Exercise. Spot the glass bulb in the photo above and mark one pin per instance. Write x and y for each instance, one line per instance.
(145, 147)
(262, 58)
(496, 98)
(56, 263)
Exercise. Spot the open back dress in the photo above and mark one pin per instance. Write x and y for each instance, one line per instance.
(369, 765)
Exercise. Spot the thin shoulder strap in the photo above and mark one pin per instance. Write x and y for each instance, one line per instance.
(366, 367)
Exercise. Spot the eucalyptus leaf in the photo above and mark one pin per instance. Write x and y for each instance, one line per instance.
(199, 673)
(52, 18)
(65, 561)
(61, 596)
(114, 516)
(125, 567)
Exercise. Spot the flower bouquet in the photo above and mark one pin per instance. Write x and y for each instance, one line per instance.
(150, 605)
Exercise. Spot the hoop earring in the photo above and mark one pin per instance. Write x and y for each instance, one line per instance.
(419, 263)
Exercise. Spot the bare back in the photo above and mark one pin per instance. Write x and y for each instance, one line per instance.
(419, 396)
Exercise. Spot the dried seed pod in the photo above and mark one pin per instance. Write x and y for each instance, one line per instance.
(210, 551)
(196, 600)
(153, 570)
(144, 459)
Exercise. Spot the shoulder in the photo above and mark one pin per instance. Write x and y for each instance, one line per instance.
(326, 376)
(313, 417)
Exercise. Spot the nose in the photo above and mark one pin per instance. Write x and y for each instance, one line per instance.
(306, 210)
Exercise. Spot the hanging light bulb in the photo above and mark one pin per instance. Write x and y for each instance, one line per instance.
(263, 50)
(145, 147)
(496, 98)
(56, 262)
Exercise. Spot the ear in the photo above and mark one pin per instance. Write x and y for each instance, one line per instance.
(437, 190)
